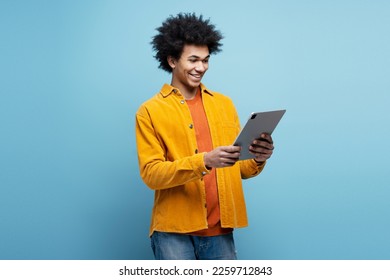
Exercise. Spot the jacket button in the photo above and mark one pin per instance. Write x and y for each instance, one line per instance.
(196, 151)
(182, 101)
(204, 173)
(191, 126)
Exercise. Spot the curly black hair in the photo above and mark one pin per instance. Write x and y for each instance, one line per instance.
(184, 28)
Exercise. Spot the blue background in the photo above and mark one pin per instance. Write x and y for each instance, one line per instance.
(73, 73)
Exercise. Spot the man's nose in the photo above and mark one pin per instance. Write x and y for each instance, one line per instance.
(200, 66)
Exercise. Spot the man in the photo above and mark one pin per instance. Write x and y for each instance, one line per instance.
(184, 138)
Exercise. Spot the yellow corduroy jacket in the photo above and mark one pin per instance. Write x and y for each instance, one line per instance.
(171, 165)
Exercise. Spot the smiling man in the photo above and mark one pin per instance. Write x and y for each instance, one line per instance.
(184, 139)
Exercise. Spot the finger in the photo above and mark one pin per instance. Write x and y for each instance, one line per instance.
(262, 144)
(232, 157)
(265, 153)
(261, 159)
(227, 163)
(266, 137)
(231, 153)
(231, 149)
(230, 163)
(261, 152)
(263, 156)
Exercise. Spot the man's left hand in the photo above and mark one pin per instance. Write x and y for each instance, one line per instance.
(262, 147)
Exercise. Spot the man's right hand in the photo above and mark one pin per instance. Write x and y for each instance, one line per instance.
(223, 156)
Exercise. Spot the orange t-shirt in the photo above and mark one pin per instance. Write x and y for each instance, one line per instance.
(205, 144)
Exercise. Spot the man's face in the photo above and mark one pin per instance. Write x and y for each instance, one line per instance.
(189, 69)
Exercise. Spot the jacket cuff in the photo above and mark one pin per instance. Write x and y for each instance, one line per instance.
(199, 166)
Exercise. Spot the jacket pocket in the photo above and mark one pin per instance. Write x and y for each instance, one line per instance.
(230, 131)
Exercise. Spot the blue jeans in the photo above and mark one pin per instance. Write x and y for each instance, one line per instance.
(173, 246)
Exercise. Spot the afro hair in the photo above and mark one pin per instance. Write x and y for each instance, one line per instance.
(185, 28)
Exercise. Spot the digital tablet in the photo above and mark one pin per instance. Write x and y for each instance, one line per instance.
(260, 122)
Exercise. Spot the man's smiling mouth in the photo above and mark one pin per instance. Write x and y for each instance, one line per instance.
(196, 76)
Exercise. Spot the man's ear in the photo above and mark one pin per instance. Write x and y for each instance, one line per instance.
(171, 62)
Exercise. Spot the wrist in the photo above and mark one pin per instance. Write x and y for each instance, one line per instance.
(206, 163)
(259, 162)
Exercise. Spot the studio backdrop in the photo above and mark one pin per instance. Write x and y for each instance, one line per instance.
(73, 74)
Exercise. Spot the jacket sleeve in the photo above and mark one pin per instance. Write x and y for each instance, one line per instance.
(155, 169)
(249, 168)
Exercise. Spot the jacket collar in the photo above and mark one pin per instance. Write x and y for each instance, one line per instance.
(167, 90)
